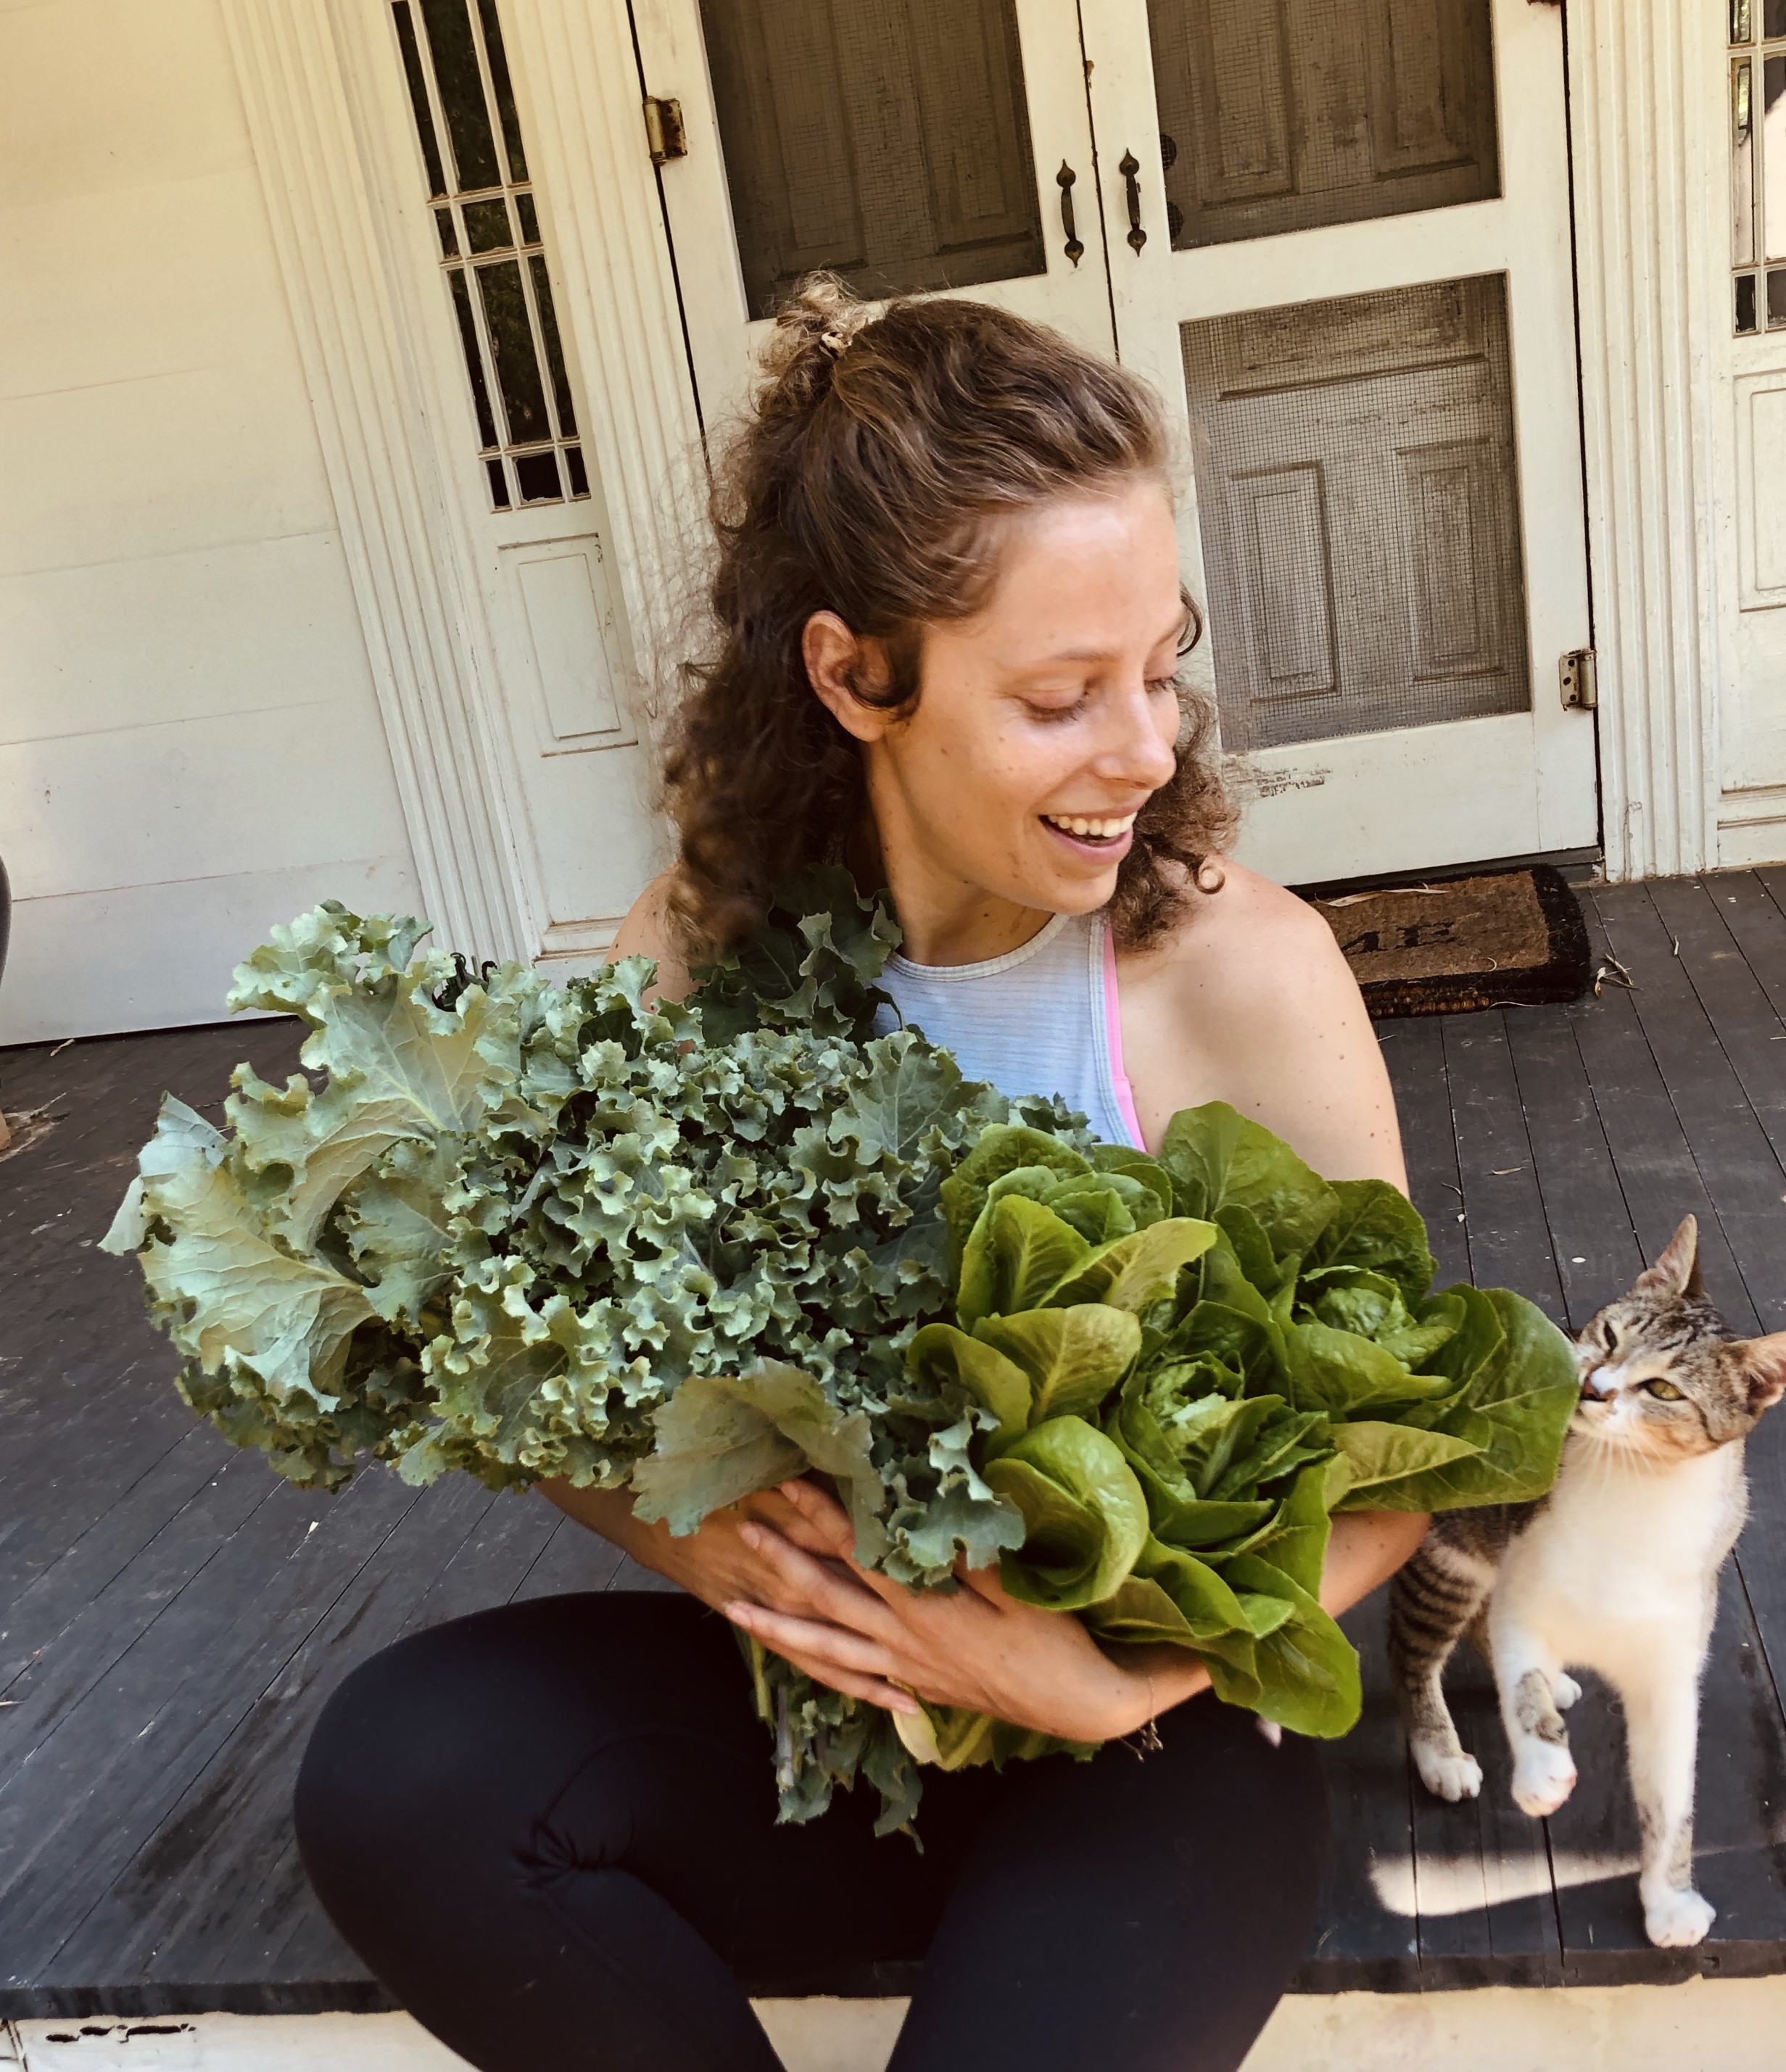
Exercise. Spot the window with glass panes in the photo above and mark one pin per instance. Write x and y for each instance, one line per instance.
(1758, 163)
(491, 257)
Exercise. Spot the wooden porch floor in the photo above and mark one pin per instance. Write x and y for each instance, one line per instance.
(172, 1617)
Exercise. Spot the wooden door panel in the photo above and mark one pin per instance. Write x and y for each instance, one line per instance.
(1433, 326)
(1240, 80)
(888, 142)
(797, 208)
(1426, 70)
(1279, 115)
(1359, 514)
(1288, 579)
(1454, 496)
(969, 84)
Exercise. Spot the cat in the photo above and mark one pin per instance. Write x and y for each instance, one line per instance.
(1615, 1570)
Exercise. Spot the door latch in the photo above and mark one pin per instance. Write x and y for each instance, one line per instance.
(664, 135)
(1576, 674)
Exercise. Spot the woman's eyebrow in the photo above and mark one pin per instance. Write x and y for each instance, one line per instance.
(1175, 633)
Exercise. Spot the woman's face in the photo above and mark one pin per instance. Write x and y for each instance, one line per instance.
(1043, 723)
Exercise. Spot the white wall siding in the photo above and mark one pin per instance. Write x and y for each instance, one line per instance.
(190, 747)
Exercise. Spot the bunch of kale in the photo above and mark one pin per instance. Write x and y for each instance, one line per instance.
(533, 1232)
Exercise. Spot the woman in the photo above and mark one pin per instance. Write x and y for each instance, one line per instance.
(951, 625)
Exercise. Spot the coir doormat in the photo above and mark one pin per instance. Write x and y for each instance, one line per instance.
(1506, 939)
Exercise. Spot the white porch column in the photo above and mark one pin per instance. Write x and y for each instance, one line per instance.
(1646, 95)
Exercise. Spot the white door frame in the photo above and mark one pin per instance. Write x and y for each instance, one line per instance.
(1315, 811)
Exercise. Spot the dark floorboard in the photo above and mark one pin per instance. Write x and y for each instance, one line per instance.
(171, 1618)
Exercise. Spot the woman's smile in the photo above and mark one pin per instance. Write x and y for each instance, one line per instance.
(1108, 837)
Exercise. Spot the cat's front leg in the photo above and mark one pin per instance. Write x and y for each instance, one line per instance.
(1433, 1602)
(1526, 1673)
(1662, 1740)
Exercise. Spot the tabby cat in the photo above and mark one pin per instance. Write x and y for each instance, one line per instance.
(1615, 1570)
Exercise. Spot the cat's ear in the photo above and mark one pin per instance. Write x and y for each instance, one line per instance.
(1677, 1272)
(1764, 1370)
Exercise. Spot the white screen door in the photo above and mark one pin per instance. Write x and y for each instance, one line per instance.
(1344, 251)
(1338, 242)
(906, 145)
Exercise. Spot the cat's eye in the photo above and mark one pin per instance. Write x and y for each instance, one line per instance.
(1612, 1339)
(1665, 1391)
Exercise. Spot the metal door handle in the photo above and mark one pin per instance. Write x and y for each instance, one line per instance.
(1129, 166)
(1065, 180)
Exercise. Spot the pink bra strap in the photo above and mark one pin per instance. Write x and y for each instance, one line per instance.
(1119, 1087)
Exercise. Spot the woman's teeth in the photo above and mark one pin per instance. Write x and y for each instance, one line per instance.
(1096, 830)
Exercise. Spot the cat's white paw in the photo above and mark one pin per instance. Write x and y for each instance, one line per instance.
(1566, 1691)
(1543, 1778)
(1447, 1773)
(1677, 1919)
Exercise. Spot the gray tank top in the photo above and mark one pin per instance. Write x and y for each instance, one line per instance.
(1040, 1020)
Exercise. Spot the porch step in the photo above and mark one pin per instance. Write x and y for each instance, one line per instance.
(1733, 2025)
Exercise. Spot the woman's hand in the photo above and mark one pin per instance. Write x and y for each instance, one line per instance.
(975, 1646)
(714, 1563)
(779, 1565)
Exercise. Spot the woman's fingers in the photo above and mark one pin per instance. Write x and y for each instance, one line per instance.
(771, 1507)
(888, 1696)
(808, 1584)
(828, 1652)
(822, 1513)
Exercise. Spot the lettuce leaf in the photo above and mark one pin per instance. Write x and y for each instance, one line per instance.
(1217, 1158)
(1084, 1517)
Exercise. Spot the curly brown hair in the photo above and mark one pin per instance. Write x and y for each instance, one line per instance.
(884, 447)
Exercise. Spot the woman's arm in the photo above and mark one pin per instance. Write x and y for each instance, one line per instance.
(779, 1566)
(1251, 1002)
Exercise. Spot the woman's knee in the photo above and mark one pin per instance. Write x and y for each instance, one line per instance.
(416, 1744)
(359, 1792)
(470, 1729)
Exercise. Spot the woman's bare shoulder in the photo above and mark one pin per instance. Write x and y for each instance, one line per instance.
(1262, 945)
(649, 931)
(1248, 1000)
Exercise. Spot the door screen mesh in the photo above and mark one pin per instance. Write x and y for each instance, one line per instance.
(1284, 114)
(888, 139)
(1356, 494)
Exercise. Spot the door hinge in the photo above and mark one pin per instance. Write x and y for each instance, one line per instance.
(1576, 674)
(664, 135)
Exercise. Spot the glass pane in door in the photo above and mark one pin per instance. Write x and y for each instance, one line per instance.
(888, 139)
(1280, 115)
(1358, 500)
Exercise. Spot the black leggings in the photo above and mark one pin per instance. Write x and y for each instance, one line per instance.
(549, 1830)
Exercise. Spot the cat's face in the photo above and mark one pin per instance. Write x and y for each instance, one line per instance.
(1663, 1376)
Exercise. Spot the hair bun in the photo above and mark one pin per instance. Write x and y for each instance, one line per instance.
(816, 326)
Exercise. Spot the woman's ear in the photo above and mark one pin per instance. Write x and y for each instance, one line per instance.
(836, 661)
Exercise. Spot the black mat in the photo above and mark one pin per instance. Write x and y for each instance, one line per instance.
(1451, 946)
